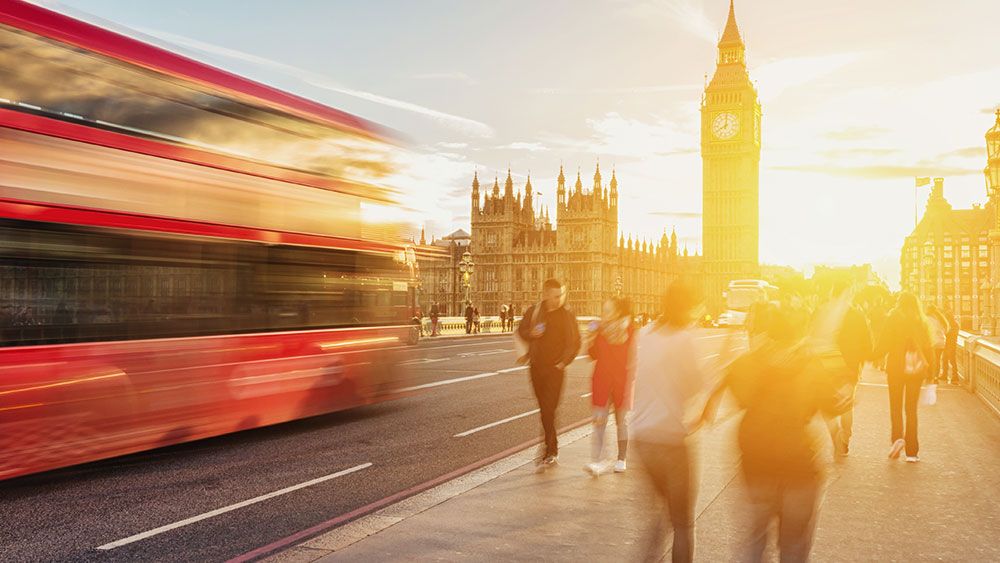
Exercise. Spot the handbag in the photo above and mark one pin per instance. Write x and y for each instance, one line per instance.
(928, 394)
(522, 347)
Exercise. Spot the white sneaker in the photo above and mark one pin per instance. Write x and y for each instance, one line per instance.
(897, 447)
(620, 466)
(912, 459)
(595, 468)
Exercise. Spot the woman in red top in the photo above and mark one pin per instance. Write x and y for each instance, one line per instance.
(613, 346)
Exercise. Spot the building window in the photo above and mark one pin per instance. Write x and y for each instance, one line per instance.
(966, 250)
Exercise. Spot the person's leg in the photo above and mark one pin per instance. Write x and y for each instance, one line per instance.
(762, 492)
(896, 406)
(548, 386)
(621, 421)
(680, 502)
(797, 519)
(668, 473)
(847, 423)
(597, 437)
(540, 389)
(910, 404)
(939, 366)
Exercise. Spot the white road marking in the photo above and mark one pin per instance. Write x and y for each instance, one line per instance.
(494, 352)
(423, 361)
(446, 382)
(497, 423)
(508, 370)
(585, 395)
(490, 342)
(216, 512)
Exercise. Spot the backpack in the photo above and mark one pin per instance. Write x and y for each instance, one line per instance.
(522, 347)
(913, 359)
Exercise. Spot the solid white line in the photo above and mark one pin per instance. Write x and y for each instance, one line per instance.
(446, 382)
(585, 395)
(497, 423)
(225, 509)
(508, 370)
(423, 361)
(494, 352)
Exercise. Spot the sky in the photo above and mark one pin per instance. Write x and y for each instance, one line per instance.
(858, 98)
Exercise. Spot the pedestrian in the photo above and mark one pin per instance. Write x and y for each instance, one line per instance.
(475, 320)
(503, 318)
(938, 325)
(613, 348)
(510, 316)
(434, 318)
(905, 343)
(668, 376)
(781, 386)
(950, 347)
(469, 314)
(551, 330)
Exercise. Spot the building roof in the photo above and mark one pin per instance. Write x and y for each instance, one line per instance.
(731, 35)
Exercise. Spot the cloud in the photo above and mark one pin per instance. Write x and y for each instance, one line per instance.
(457, 76)
(448, 145)
(878, 172)
(522, 146)
(859, 152)
(677, 214)
(776, 77)
(654, 89)
(968, 152)
(468, 126)
(855, 133)
(617, 135)
(688, 13)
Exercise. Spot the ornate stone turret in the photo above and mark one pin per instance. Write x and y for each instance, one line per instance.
(508, 187)
(598, 191)
(475, 193)
(578, 187)
(561, 191)
(614, 189)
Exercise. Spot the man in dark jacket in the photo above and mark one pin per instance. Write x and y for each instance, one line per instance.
(469, 313)
(555, 339)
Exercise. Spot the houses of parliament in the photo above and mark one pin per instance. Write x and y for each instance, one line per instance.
(516, 247)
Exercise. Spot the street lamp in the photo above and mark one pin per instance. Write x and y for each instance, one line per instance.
(466, 267)
(992, 170)
(618, 286)
(992, 173)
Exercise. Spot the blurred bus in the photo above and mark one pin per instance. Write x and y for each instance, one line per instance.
(740, 297)
(182, 251)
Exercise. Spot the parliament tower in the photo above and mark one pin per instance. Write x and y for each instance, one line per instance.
(730, 149)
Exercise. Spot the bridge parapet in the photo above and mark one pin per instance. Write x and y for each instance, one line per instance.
(978, 359)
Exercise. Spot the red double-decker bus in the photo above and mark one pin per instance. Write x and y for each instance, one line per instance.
(183, 252)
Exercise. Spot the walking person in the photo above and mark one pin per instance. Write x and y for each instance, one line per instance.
(554, 339)
(668, 376)
(950, 348)
(781, 385)
(613, 347)
(905, 343)
(938, 325)
(475, 320)
(433, 313)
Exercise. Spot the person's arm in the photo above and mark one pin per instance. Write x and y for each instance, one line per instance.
(525, 326)
(572, 340)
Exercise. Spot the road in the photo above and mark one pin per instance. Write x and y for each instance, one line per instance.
(217, 499)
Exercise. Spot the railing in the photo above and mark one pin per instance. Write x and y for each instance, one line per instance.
(978, 360)
(487, 325)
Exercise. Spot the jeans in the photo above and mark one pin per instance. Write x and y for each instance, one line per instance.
(547, 383)
(904, 392)
(793, 501)
(841, 427)
(668, 468)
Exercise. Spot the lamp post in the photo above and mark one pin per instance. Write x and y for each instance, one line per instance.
(992, 174)
(466, 267)
(618, 286)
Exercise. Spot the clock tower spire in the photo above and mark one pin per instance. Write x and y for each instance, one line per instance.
(730, 150)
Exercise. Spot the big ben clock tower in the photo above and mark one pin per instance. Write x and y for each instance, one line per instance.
(730, 150)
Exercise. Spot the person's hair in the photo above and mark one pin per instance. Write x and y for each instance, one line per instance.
(909, 305)
(622, 307)
(677, 304)
(551, 283)
(785, 324)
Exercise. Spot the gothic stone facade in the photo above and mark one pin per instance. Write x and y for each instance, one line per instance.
(516, 248)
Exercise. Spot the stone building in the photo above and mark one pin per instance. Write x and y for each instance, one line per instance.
(440, 280)
(946, 261)
(730, 149)
(515, 247)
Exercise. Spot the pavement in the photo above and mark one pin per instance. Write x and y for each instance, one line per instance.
(944, 508)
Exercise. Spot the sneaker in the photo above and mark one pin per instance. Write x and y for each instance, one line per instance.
(550, 460)
(897, 447)
(912, 459)
(620, 466)
(596, 468)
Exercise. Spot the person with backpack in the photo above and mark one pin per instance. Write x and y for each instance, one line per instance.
(613, 347)
(553, 338)
(905, 343)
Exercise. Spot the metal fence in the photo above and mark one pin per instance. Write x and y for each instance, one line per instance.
(487, 325)
(978, 360)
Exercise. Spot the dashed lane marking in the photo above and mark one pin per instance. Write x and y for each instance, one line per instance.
(223, 510)
(497, 423)
(446, 382)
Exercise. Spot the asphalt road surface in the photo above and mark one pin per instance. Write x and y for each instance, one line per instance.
(221, 498)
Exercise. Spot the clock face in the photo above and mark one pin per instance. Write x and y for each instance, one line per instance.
(725, 125)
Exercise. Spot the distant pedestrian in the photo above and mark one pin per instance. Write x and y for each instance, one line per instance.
(503, 318)
(510, 316)
(668, 376)
(950, 348)
(475, 320)
(554, 339)
(938, 325)
(469, 314)
(905, 343)
(434, 318)
(781, 385)
(613, 348)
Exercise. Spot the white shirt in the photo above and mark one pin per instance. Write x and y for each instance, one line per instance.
(668, 376)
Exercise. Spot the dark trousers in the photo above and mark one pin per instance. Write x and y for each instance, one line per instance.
(547, 382)
(939, 367)
(949, 360)
(793, 502)
(904, 392)
(668, 468)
